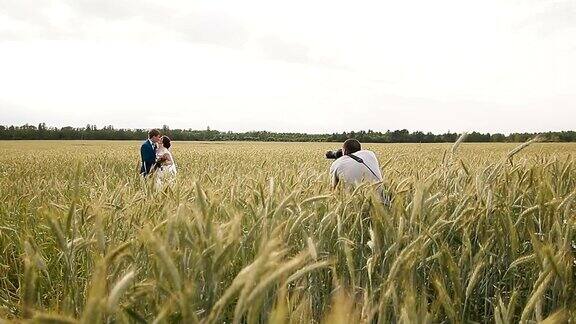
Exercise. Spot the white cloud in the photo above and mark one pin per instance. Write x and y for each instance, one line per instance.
(298, 65)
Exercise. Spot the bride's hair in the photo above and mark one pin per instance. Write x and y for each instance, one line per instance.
(166, 141)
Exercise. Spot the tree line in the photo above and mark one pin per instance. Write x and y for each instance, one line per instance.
(91, 132)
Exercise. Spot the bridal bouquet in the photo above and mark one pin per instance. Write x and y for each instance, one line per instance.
(159, 161)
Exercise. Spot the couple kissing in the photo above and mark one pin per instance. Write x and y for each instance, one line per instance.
(156, 156)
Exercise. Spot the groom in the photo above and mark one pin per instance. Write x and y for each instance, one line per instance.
(148, 151)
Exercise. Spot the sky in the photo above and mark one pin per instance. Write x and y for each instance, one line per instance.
(290, 66)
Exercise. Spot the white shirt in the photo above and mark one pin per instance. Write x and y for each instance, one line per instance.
(351, 172)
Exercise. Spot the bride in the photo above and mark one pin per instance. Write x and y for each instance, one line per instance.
(165, 167)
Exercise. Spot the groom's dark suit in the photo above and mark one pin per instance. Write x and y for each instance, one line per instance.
(148, 154)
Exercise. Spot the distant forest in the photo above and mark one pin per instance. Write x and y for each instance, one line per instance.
(91, 132)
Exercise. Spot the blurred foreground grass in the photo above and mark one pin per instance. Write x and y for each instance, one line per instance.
(252, 233)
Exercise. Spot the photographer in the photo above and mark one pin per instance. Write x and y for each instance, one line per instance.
(353, 165)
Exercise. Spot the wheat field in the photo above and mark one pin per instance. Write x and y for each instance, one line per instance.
(252, 233)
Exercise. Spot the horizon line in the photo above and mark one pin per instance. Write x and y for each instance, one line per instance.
(208, 128)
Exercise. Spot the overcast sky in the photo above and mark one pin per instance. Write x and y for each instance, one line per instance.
(299, 66)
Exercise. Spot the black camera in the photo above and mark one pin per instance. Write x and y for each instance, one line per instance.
(334, 154)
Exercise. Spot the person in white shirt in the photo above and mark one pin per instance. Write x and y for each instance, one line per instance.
(355, 166)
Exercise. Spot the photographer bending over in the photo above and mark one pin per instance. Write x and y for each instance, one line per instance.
(353, 165)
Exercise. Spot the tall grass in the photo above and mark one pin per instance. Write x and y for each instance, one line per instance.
(251, 232)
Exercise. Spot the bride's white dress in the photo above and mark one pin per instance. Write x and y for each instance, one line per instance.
(167, 172)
